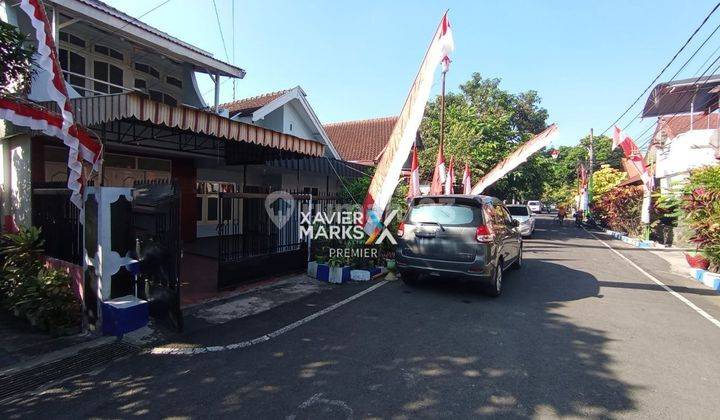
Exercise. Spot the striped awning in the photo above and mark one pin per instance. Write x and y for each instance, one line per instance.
(101, 109)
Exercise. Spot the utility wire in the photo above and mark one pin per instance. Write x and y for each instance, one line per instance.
(663, 69)
(222, 37)
(697, 50)
(687, 102)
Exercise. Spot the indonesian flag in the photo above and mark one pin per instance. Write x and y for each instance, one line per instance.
(450, 178)
(437, 186)
(632, 153)
(40, 119)
(414, 189)
(47, 58)
(81, 145)
(467, 181)
(389, 169)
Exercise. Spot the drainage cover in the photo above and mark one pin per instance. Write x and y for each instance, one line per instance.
(84, 361)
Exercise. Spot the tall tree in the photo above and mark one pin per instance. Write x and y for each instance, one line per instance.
(483, 124)
(15, 60)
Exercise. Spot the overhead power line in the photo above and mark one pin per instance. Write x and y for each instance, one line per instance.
(222, 36)
(663, 69)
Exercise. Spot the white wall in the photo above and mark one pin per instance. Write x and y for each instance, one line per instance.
(16, 179)
(294, 118)
(683, 153)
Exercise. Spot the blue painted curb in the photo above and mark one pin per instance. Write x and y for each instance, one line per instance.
(709, 279)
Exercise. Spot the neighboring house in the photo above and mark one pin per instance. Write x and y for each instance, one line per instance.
(364, 141)
(135, 87)
(682, 143)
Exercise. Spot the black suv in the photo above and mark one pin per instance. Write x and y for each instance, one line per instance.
(467, 236)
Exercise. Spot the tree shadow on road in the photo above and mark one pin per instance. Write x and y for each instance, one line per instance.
(438, 350)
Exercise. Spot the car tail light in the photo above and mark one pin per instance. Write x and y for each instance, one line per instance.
(484, 234)
(401, 229)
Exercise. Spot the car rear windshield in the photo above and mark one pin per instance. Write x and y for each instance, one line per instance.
(518, 211)
(445, 214)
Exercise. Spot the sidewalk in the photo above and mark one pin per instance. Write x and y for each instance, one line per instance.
(21, 348)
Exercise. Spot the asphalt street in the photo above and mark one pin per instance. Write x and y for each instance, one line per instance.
(577, 332)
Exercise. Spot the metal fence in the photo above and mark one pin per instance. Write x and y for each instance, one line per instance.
(251, 243)
(58, 218)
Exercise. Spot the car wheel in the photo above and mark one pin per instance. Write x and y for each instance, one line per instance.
(410, 279)
(519, 262)
(495, 288)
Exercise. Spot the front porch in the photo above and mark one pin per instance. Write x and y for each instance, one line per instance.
(208, 156)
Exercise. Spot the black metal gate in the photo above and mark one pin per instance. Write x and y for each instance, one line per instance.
(59, 221)
(252, 243)
(156, 227)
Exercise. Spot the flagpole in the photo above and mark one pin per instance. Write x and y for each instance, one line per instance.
(442, 110)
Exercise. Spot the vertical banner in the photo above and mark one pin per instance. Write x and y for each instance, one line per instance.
(387, 174)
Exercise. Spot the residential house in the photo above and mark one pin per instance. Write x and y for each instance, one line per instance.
(681, 143)
(136, 88)
(686, 134)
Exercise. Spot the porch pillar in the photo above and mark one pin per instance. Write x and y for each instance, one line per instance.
(16, 181)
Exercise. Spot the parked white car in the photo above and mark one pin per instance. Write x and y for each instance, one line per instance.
(535, 206)
(525, 216)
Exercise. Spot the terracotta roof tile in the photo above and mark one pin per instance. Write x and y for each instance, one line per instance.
(361, 141)
(249, 105)
(672, 126)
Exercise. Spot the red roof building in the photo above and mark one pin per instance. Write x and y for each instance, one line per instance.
(361, 141)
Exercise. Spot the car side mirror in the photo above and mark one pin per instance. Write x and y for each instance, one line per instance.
(515, 223)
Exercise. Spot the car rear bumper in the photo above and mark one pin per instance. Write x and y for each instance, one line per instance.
(525, 230)
(476, 270)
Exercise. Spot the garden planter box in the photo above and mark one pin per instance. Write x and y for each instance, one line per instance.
(339, 275)
(364, 274)
(123, 315)
(312, 269)
(323, 272)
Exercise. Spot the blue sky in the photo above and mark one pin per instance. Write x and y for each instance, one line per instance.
(588, 59)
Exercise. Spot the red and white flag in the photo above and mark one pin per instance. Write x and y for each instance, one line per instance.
(467, 181)
(414, 190)
(634, 156)
(81, 145)
(389, 169)
(437, 186)
(450, 178)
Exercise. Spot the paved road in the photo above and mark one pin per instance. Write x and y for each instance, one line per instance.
(577, 332)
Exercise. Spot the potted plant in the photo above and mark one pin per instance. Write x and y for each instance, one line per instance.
(339, 271)
(696, 259)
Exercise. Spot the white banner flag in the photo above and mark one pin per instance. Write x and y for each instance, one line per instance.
(387, 174)
(520, 155)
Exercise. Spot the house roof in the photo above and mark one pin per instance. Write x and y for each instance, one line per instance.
(673, 126)
(105, 16)
(683, 96)
(246, 106)
(361, 141)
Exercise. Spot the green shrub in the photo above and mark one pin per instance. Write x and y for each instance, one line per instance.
(619, 209)
(42, 296)
(701, 211)
(21, 254)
